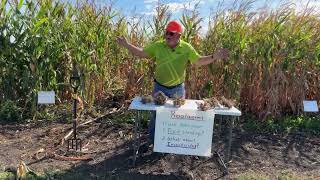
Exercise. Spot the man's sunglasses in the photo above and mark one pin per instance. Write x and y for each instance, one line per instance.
(170, 33)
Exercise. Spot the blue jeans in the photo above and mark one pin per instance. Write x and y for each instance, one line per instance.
(170, 92)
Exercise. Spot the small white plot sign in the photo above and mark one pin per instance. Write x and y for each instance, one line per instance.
(187, 132)
(46, 97)
(310, 106)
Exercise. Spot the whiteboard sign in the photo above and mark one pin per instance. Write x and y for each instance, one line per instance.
(187, 132)
(46, 97)
(310, 106)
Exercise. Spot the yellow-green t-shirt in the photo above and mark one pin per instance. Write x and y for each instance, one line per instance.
(171, 63)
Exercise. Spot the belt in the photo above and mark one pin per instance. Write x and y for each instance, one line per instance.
(168, 87)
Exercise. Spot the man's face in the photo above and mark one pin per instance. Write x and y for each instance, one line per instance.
(172, 38)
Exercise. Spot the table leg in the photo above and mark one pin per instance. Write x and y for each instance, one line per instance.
(136, 137)
(228, 152)
(216, 152)
(219, 129)
(218, 133)
(222, 164)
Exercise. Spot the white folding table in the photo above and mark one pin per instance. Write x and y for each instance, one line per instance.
(190, 104)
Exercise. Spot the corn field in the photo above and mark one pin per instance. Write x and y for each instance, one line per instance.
(273, 66)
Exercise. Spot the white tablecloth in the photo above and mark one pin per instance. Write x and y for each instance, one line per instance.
(189, 105)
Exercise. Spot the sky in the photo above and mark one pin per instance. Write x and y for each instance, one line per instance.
(146, 8)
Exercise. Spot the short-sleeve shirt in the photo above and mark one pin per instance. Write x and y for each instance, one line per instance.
(171, 63)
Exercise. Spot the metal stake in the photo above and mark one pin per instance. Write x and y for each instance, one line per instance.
(75, 143)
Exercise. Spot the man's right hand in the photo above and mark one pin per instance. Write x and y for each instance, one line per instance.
(122, 41)
(132, 48)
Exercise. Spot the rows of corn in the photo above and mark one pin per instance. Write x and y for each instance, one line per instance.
(273, 66)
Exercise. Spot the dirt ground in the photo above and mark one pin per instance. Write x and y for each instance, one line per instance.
(109, 146)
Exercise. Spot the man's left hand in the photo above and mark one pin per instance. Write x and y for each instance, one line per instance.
(221, 53)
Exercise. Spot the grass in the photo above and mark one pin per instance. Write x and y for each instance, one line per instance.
(7, 175)
(302, 123)
(47, 175)
(282, 175)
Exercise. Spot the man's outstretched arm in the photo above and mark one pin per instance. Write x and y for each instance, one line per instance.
(137, 51)
(218, 54)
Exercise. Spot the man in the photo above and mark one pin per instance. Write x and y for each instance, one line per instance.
(171, 56)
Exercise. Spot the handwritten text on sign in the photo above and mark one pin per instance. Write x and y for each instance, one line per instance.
(186, 132)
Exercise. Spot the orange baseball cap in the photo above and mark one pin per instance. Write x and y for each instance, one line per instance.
(174, 26)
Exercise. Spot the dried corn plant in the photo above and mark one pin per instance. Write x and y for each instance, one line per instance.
(191, 22)
(274, 62)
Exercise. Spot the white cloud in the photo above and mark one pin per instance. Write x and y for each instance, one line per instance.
(298, 5)
(150, 7)
(174, 7)
(150, 1)
(302, 5)
(204, 26)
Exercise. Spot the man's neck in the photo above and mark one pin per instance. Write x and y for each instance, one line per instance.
(175, 45)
